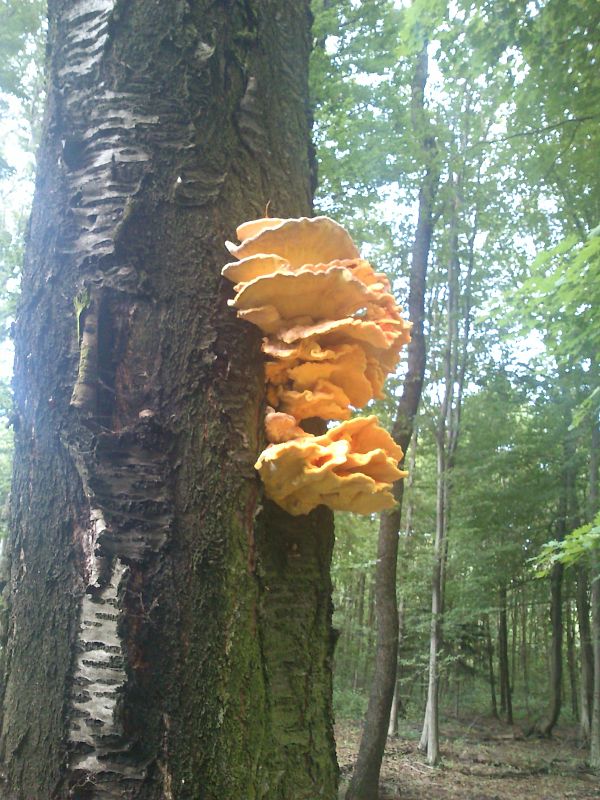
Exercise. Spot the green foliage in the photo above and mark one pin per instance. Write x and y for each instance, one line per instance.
(349, 704)
(22, 43)
(512, 103)
(21, 36)
(578, 544)
(562, 298)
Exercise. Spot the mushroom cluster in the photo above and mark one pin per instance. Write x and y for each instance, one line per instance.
(333, 332)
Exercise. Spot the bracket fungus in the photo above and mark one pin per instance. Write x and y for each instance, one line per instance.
(333, 332)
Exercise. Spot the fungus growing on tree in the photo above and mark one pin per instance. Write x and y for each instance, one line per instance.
(333, 332)
(349, 468)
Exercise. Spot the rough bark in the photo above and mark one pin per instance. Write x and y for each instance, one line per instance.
(365, 777)
(168, 630)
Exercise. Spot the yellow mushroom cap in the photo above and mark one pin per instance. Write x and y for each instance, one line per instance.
(377, 336)
(308, 364)
(300, 241)
(252, 267)
(365, 435)
(255, 226)
(322, 295)
(334, 331)
(325, 400)
(350, 468)
(281, 427)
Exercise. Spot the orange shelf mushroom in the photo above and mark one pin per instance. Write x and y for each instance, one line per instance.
(349, 468)
(333, 332)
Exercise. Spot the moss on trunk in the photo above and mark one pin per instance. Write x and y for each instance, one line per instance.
(169, 632)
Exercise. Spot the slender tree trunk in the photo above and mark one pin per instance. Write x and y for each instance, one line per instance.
(457, 696)
(565, 520)
(513, 642)
(430, 733)
(586, 654)
(490, 661)
(524, 650)
(505, 687)
(365, 777)
(166, 638)
(595, 722)
(556, 656)
(410, 505)
(397, 708)
(459, 302)
(360, 632)
(368, 639)
(571, 661)
(595, 601)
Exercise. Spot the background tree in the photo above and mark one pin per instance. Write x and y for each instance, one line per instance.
(496, 104)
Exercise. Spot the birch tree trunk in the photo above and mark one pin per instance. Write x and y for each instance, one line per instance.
(168, 630)
(447, 437)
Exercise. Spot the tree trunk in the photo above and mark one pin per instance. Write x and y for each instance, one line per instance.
(565, 522)
(168, 631)
(513, 641)
(592, 511)
(556, 657)
(571, 661)
(367, 640)
(430, 733)
(365, 777)
(505, 688)
(595, 722)
(524, 650)
(459, 302)
(490, 660)
(397, 709)
(586, 654)
(360, 632)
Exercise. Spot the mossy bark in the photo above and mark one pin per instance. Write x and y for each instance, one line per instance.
(168, 630)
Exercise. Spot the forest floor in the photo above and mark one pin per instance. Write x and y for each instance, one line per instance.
(481, 760)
